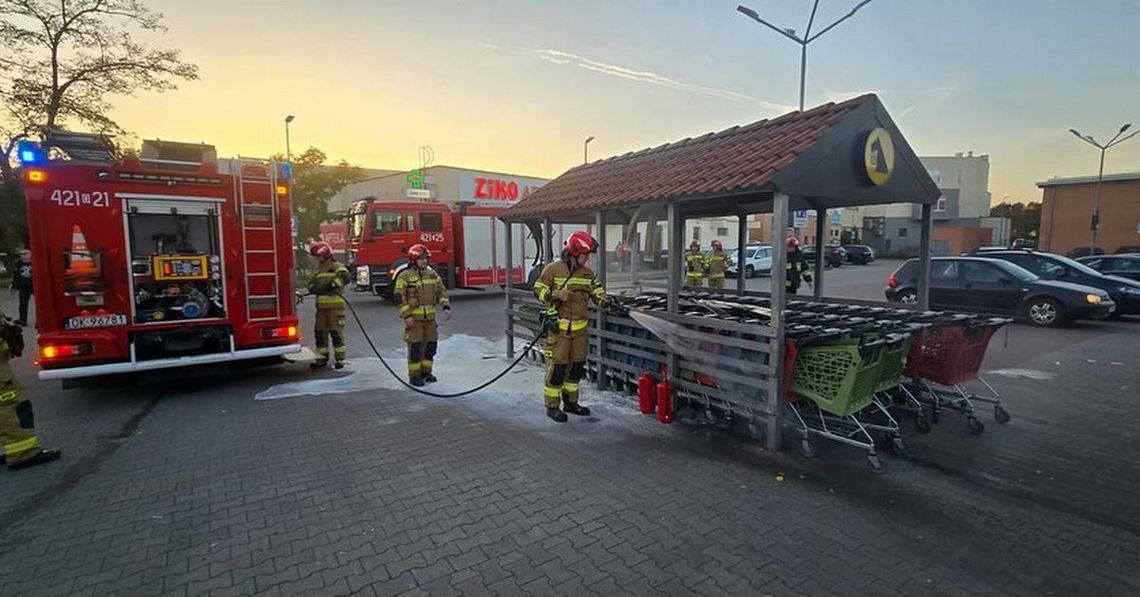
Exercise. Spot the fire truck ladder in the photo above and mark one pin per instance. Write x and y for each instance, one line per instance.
(257, 211)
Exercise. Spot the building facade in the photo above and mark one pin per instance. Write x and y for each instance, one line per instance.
(961, 217)
(1067, 208)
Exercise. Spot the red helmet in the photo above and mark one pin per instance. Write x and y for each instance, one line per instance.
(581, 243)
(321, 249)
(418, 251)
(717, 245)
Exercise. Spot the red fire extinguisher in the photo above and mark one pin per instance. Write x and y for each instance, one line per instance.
(665, 399)
(645, 397)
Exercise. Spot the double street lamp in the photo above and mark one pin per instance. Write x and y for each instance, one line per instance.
(1094, 222)
(802, 41)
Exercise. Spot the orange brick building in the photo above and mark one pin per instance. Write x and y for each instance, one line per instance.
(1067, 207)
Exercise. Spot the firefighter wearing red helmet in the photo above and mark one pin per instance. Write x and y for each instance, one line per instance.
(718, 263)
(797, 269)
(419, 290)
(566, 287)
(328, 285)
(695, 265)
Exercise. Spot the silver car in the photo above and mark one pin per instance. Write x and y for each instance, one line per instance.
(757, 260)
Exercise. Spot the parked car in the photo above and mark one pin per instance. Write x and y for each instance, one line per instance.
(1124, 292)
(1001, 288)
(860, 254)
(835, 254)
(1126, 249)
(1083, 251)
(757, 260)
(1125, 266)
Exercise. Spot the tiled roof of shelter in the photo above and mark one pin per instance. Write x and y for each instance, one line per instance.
(736, 160)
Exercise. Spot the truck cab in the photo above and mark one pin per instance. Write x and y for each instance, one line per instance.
(381, 232)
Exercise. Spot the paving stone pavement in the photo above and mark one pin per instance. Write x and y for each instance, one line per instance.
(198, 489)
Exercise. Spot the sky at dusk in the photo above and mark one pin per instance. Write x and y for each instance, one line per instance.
(517, 85)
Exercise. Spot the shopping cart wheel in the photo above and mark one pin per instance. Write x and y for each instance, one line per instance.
(899, 447)
(875, 464)
(806, 448)
(976, 426)
(922, 425)
(1001, 415)
(965, 407)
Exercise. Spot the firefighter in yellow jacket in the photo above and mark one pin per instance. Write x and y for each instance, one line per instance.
(718, 263)
(695, 265)
(19, 445)
(328, 285)
(419, 290)
(566, 288)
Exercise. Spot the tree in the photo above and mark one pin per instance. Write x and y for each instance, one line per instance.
(314, 183)
(60, 60)
(1025, 218)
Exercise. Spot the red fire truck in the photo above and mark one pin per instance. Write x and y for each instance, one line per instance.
(467, 243)
(169, 259)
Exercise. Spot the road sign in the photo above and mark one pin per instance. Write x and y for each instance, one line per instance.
(419, 193)
(799, 218)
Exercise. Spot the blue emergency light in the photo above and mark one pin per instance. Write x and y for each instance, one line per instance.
(30, 154)
(287, 170)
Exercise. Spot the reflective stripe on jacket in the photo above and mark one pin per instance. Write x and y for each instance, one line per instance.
(328, 284)
(419, 292)
(695, 264)
(717, 264)
(582, 284)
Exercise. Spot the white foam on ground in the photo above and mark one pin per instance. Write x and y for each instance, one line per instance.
(1024, 374)
(463, 362)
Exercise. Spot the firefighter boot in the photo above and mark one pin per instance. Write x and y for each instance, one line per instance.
(317, 364)
(339, 365)
(43, 457)
(428, 377)
(556, 414)
(574, 408)
(417, 382)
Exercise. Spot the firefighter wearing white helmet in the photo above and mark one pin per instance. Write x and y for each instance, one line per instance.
(328, 285)
(567, 287)
(718, 263)
(419, 290)
(695, 265)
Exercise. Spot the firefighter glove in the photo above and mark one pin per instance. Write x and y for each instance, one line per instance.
(549, 320)
(409, 322)
(446, 313)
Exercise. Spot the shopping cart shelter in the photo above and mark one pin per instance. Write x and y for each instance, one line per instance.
(831, 156)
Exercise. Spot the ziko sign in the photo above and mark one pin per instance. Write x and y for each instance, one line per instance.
(496, 190)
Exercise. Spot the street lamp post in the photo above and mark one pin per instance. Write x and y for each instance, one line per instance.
(586, 150)
(1094, 221)
(802, 41)
(288, 151)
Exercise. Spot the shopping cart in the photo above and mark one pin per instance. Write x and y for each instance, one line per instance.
(945, 356)
(838, 382)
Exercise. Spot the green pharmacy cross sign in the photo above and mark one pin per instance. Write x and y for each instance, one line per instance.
(416, 178)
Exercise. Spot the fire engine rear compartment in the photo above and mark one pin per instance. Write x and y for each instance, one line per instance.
(177, 275)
